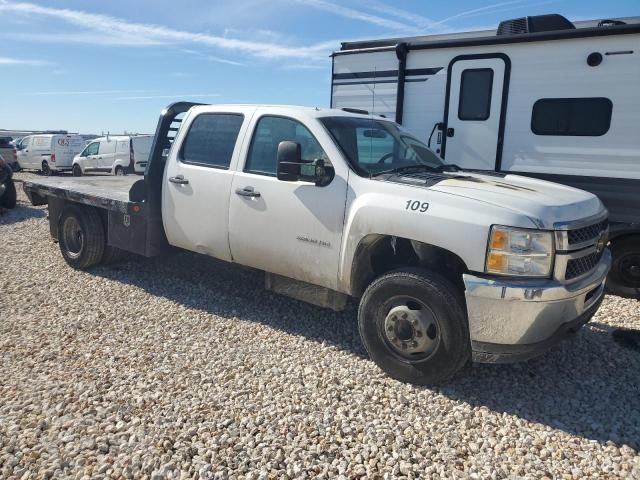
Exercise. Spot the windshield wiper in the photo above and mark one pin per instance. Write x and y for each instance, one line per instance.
(407, 168)
(449, 167)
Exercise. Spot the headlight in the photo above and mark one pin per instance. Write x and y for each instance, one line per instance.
(514, 251)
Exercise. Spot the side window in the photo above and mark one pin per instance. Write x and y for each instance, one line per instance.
(24, 143)
(586, 117)
(475, 94)
(270, 131)
(92, 148)
(211, 139)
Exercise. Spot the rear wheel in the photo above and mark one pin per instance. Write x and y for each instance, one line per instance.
(624, 277)
(414, 326)
(77, 171)
(46, 170)
(119, 171)
(81, 236)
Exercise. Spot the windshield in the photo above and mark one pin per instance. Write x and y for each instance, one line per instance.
(373, 146)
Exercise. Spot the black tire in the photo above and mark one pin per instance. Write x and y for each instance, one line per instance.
(119, 171)
(76, 170)
(81, 236)
(451, 347)
(46, 170)
(624, 278)
(9, 198)
(113, 255)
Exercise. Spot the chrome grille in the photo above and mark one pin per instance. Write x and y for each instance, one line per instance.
(591, 232)
(579, 266)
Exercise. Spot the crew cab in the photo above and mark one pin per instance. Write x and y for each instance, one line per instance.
(448, 265)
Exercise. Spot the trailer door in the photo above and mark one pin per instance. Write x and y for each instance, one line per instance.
(474, 116)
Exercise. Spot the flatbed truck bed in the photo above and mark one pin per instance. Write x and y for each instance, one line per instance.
(111, 193)
(130, 205)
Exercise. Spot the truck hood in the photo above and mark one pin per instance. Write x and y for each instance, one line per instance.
(545, 203)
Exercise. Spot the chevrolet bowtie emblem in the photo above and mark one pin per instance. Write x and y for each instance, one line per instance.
(601, 242)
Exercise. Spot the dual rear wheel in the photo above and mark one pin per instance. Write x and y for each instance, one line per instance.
(82, 238)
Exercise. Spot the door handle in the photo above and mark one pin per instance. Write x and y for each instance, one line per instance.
(451, 132)
(179, 179)
(247, 192)
(99, 158)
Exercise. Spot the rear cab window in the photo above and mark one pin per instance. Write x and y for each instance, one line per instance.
(211, 140)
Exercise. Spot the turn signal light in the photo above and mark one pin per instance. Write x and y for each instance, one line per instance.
(496, 262)
(499, 240)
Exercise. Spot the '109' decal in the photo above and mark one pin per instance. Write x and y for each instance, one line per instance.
(417, 206)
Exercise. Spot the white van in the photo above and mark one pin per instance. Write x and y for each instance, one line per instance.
(49, 152)
(114, 154)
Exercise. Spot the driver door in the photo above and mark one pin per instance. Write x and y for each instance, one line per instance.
(292, 229)
(90, 155)
(23, 153)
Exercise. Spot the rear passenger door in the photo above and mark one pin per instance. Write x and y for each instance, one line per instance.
(197, 181)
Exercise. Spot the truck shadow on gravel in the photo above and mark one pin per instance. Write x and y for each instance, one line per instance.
(587, 386)
(21, 213)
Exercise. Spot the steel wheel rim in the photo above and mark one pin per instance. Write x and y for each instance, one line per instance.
(410, 329)
(73, 237)
(119, 172)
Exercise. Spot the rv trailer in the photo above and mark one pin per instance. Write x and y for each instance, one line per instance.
(539, 96)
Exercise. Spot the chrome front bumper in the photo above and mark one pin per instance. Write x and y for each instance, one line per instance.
(511, 320)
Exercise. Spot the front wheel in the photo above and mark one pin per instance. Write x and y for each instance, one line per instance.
(414, 326)
(81, 236)
(624, 277)
(77, 171)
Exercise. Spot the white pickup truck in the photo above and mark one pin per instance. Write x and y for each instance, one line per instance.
(448, 265)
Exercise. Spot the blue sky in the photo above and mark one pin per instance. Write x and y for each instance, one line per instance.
(94, 66)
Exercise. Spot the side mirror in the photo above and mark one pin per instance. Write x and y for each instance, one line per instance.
(291, 167)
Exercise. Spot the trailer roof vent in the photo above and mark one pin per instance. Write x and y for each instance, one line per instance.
(537, 23)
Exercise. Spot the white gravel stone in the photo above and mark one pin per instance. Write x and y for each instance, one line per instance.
(184, 367)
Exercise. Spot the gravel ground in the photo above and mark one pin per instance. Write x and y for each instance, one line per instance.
(183, 367)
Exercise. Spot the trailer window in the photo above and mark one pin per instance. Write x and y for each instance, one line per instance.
(475, 94)
(583, 117)
(270, 131)
(211, 139)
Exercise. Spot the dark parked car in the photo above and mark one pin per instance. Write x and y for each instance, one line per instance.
(7, 187)
(9, 153)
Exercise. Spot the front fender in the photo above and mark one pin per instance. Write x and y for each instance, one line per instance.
(457, 224)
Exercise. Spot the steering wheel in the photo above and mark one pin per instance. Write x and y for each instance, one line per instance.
(385, 157)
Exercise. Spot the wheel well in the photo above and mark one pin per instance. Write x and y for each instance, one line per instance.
(379, 254)
(625, 235)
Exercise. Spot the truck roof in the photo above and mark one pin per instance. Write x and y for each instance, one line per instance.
(317, 112)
